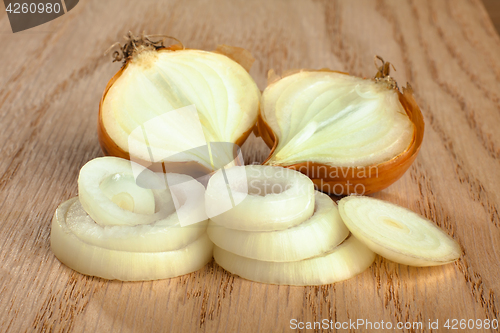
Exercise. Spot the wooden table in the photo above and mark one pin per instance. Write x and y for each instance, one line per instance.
(52, 77)
(493, 9)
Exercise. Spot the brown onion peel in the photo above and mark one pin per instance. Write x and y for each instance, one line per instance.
(191, 168)
(355, 180)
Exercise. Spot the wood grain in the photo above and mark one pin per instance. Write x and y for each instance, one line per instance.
(493, 9)
(52, 79)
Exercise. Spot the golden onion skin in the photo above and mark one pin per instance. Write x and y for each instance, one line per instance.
(345, 179)
(191, 168)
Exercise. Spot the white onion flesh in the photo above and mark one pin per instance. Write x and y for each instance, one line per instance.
(321, 232)
(335, 119)
(123, 265)
(99, 204)
(163, 235)
(259, 198)
(155, 83)
(397, 233)
(343, 262)
(123, 191)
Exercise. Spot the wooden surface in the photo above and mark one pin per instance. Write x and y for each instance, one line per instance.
(493, 9)
(52, 78)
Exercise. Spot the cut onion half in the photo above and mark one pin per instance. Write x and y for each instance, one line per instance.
(340, 263)
(321, 232)
(259, 198)
(348, 134)
(397, 233)
(123, 265)
(157, 80)
(108, 202)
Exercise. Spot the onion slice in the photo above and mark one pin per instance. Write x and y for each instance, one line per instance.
(104, 201)
(259, 198)
(397, 233)
(163, 235)
(321, 232)
(93, 260)
(340, 263)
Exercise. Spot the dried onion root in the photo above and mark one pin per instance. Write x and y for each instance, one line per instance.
(259, 198)
(397, 233)
(172, 243)
(316, 235)
(341, 263)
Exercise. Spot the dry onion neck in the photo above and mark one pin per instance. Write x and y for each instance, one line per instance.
(136, 44)
(383, 73)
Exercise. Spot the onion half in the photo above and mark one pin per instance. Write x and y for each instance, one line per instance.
(348, 134)
(321, 232)
(157, 80)
(94, 260)
(340, 263)
(397, 233)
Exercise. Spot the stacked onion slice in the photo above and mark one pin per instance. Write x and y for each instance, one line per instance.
(263, 237)
(117, 229)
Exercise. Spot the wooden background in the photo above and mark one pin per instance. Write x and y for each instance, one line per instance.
(52, 77)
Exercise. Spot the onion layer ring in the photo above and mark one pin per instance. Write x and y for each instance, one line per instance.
(259, 198)
(341, 263)
(101, 208)
(123, 265)
(323, 231)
